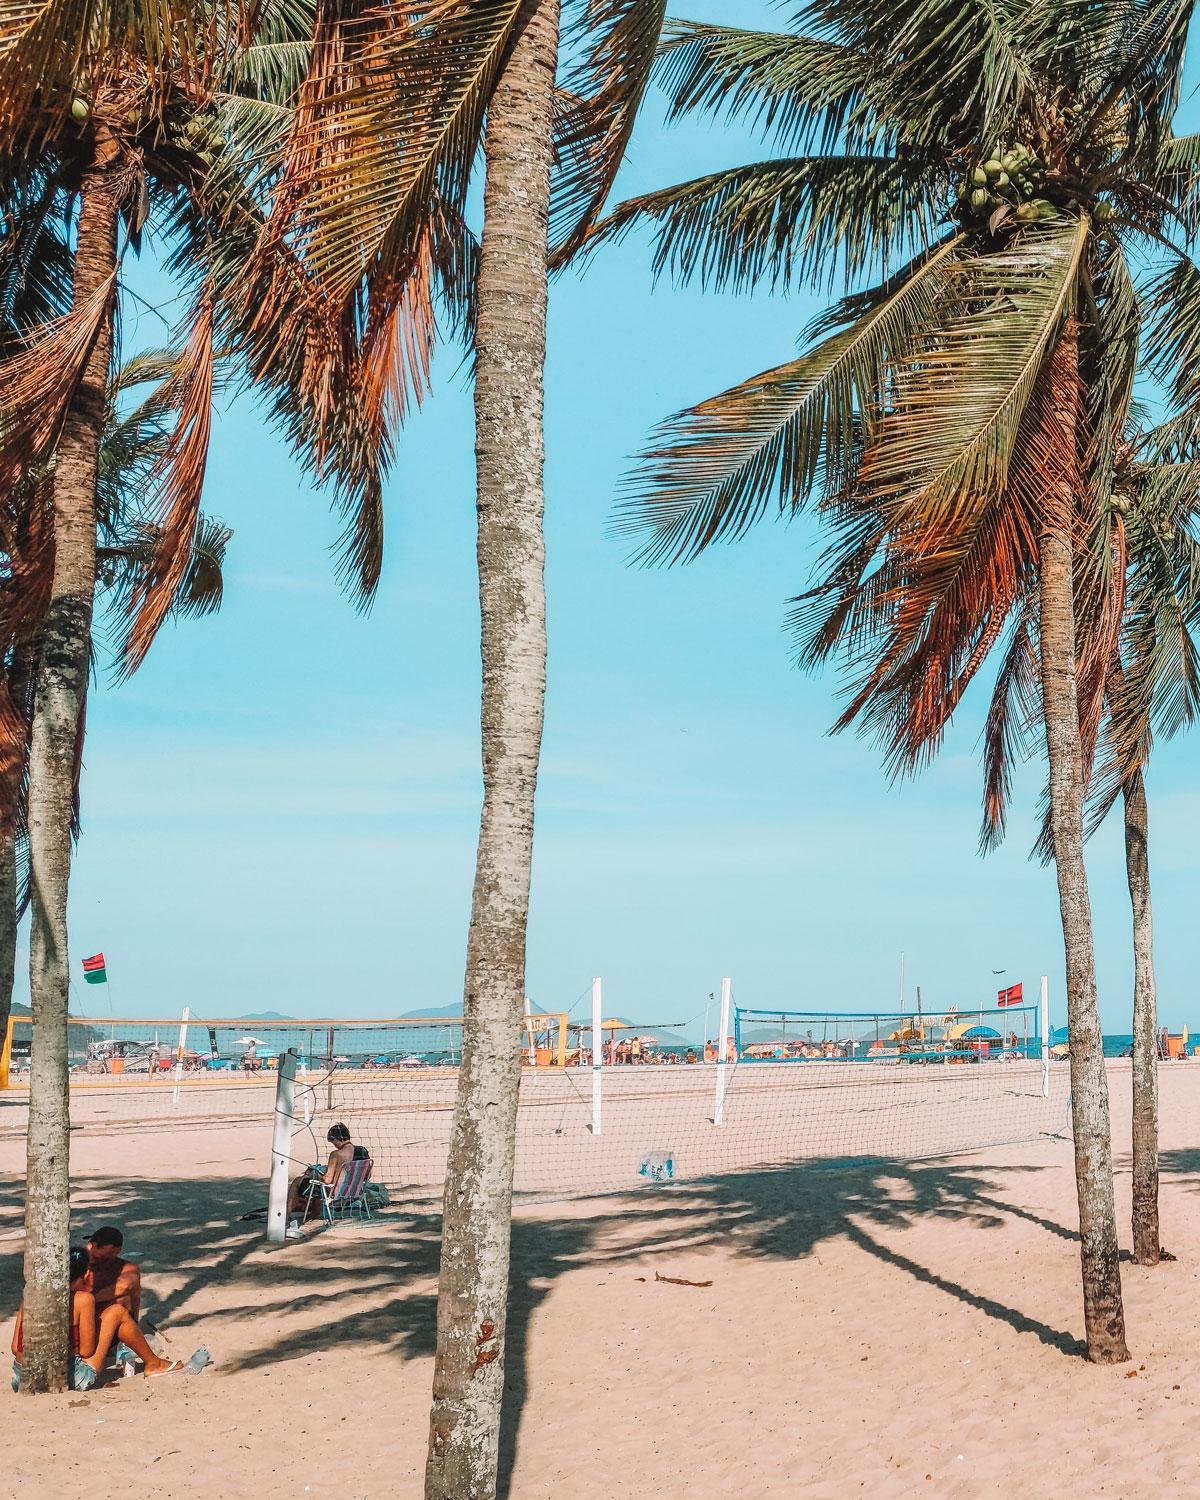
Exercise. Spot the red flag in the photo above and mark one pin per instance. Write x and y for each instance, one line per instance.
(1013, 995)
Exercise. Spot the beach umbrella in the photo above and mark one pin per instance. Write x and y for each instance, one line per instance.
(251, 1041)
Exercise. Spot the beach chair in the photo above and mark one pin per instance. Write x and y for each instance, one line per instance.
(348, 1195)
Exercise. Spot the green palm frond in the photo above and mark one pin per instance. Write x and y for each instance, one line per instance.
(803, 90)
(959, 399)
(947, 70)
(1172, 320)
(614, 43)
(713, 469)
(777, 223)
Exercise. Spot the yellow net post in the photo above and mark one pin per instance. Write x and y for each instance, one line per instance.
(6, 1052)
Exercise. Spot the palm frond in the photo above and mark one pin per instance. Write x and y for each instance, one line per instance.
(38, 383)
(54, 51)
(958, 73)
(1012, 714)
(778, 223)
(614, 43)
(714, 469)
(389, 113)
(179, 478)
(959, 397)
(1172, 320)
(806, 91)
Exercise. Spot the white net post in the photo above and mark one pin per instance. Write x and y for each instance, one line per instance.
(281, 1145)
(1044, 1022)
(529, 1033)
(722, 1052)
(179, 1051)
(597, 1051)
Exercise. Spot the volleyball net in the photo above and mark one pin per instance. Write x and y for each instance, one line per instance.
(605, 1105)
(115, 1052)
(786, 1087)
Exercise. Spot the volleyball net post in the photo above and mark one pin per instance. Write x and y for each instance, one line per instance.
(281, 1141)
(722, 1054)
(6, 1052)
(1044, 1022)
(180, 1053)
(597, 1053)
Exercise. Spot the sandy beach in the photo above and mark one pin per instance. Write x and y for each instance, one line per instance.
(871, 1327)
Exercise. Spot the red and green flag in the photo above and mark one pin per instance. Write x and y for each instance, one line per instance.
(94, 971)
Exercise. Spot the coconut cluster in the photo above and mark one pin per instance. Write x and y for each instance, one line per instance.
(1012, 178)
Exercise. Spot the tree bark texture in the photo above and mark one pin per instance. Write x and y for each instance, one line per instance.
(12, 787)
(8, 927)
(510, 348)
(59, 695)
(1104, 1316)
(1146, 1247)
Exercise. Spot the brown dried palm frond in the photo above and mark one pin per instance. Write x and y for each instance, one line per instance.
(389, 116)
(38, 383)
(178, 478)
(52, 54)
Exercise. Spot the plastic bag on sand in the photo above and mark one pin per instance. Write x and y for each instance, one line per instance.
(657, 1166)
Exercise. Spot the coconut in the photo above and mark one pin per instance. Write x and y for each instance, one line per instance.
(979, 199)
(979, 177)
(80, 110)
(992, 167)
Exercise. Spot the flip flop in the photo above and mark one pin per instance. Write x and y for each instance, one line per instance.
(174, 1368)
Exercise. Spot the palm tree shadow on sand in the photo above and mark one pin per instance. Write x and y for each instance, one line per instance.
(375, 1285)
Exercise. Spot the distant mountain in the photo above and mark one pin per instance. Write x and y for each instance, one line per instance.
(265, 1015)
(435, 1012)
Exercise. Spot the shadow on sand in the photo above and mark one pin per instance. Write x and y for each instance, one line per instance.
(375, 1284)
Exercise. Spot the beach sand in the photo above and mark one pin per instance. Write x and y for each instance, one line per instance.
(871, 1328)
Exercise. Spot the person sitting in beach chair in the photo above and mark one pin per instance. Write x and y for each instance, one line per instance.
(303, 1188)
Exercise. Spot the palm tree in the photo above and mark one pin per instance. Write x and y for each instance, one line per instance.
(132, 445)
(374, 188)
(104, 125)
(1152, 687)
(134, 441)
(956, 421)
(1142, 569)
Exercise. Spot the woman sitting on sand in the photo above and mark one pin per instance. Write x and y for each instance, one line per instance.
(91, 1339)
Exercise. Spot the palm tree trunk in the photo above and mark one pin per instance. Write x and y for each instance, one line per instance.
(1146, 1247)
(59, 693)
(8, 928)
(1104, 1316)
(510, 346)
(12, 787)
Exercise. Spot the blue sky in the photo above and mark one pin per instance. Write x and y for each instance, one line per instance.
(280, 809)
